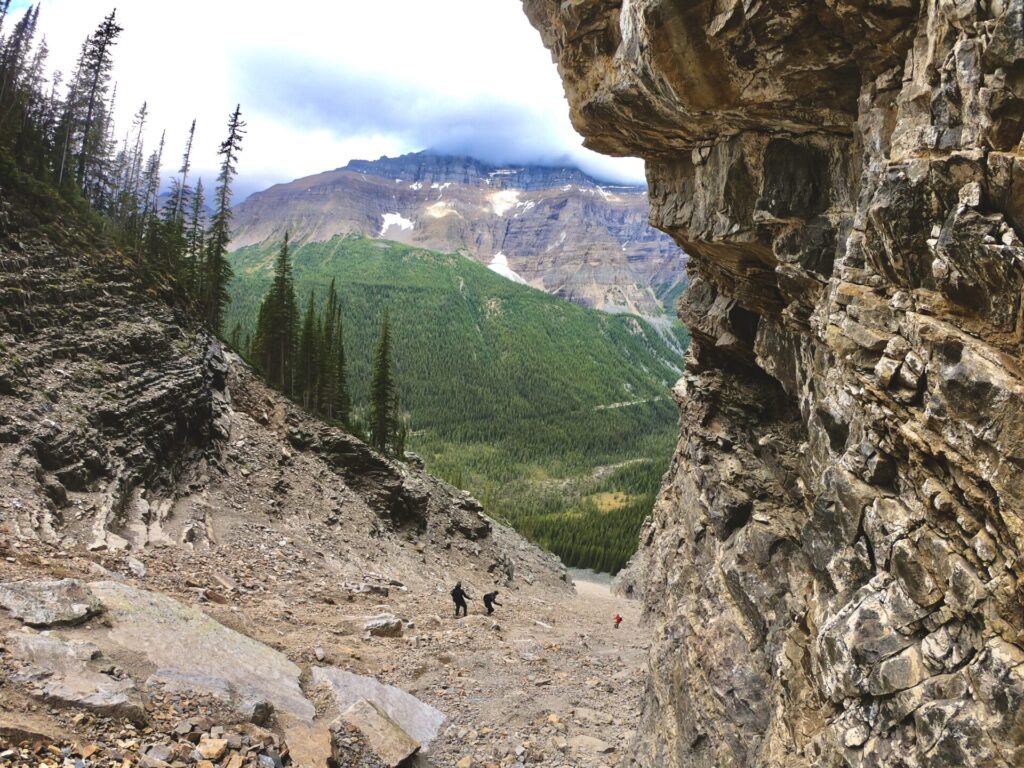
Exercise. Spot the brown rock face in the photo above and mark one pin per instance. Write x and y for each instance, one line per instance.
(833, 566)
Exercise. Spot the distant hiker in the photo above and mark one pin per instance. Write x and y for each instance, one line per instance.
(617, 620)
(459, 596)
(491, 600)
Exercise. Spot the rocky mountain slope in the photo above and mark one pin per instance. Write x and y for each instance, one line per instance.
(833, 569)
(556, 228)
(192, 571)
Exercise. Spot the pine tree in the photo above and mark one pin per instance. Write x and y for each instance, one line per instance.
(327, 374)
(273, 347)
(216, 269)
(195, 238)
(181, 193)
(307, 367)
(383, 423)
(93, 79)
(342, 400)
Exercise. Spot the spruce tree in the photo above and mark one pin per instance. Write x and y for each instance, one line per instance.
(93, 79)
(195, 238)
(342, 400)
(216, 269)
(383, 423)
(327, 372)
(273, 347)
(308, 343)
(181, 192)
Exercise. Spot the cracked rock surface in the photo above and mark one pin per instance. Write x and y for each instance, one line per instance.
(832, 571)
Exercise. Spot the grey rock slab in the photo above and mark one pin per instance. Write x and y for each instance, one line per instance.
(386, 737)
(384, 625)
(418, 719)
(49, 603)
(192, 652)
(61, 669)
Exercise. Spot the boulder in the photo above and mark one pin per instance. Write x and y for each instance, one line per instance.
(385, 737)
(49, 603)
(418, 719)
(192, 652)
(59, 670)
(384, 625)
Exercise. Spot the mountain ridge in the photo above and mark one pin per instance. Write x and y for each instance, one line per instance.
(562, 230)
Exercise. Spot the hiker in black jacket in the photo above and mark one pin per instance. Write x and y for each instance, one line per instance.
(459, 596)
(491, 600)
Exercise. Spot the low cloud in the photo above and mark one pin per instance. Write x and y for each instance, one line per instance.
(308, 94)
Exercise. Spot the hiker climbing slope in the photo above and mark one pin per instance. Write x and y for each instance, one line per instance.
(491, 600)
(459, 596)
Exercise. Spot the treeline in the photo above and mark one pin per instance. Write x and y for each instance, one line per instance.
(62, 133)
(306, 360)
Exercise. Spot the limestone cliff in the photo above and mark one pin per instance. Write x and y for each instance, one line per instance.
(833, 568)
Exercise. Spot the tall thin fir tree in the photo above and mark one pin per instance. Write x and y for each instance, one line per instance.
(186, 165)
(342, 399)
(308, 343)
(216, 269)
(195, 238)
(327, 375)
(273, 347)
(94, 78)
(383, 421)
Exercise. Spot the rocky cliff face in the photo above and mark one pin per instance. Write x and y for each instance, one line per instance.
(559, 229)
(833, 568)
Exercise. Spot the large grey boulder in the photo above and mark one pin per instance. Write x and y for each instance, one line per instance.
(386, 738)
(418, 719)
(61, 671)
(192, 652)
(50, 602)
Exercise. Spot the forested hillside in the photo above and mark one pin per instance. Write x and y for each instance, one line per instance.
(527, 401)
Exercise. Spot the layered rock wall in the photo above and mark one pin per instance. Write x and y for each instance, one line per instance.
(833, 568)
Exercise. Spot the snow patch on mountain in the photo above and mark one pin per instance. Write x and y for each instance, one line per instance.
(395, 220)
(503, 201)
(499, 265)
(441, 209)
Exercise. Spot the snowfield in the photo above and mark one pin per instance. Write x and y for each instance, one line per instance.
(499, 265)
(502, 202)
(395, 220)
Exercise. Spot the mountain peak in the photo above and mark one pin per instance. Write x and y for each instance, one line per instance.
(429, 167)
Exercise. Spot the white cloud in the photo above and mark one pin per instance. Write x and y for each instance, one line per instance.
(309, 74)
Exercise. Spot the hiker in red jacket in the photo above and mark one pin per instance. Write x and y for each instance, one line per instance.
(617, 620)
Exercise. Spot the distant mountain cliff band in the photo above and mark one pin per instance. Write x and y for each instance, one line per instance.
(557, 229)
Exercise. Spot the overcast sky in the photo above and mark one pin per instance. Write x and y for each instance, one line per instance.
(325, 81)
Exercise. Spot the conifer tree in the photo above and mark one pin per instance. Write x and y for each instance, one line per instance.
(327, 373)
(383, 422)
(195, 236)
(342, 400)
(273, 347)
(181, 193)
(93, 80)
(307, 367)
(216, 269)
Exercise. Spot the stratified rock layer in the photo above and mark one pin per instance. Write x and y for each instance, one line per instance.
(833, 568)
